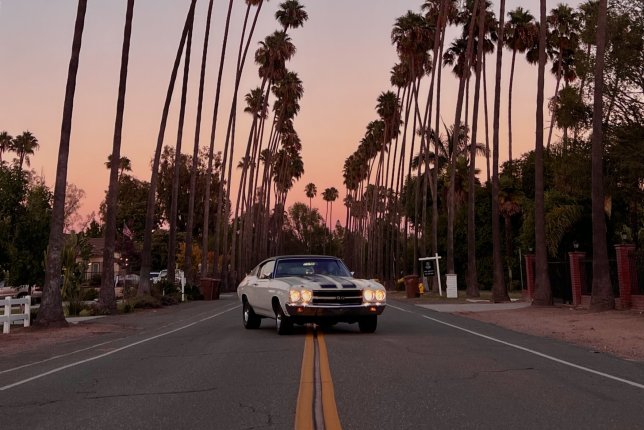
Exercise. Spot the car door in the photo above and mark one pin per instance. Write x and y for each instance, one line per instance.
(262, 289)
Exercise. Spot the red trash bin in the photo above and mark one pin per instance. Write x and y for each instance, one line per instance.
(209, 288)
(411, 286)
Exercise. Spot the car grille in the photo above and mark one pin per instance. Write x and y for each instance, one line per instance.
(337, 297)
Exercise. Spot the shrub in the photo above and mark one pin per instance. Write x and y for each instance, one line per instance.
(74, 307)
(167, 287)
(145, 302)
(89, 294)
(125, 308)
(169, 300)
(192, 292)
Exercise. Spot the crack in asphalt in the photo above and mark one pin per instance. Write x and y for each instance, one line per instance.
(153, 393)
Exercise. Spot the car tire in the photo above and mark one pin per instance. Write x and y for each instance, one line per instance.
(249, 317)
(283, 323)
(368, 324)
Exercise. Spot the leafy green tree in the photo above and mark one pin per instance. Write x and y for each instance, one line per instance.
(25, 213)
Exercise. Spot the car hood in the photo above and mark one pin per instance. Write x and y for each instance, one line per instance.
(328, 281)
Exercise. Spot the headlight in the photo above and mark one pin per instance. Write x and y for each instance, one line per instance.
(307, 296)
(380, 296)
(368, 295)
(294, 296)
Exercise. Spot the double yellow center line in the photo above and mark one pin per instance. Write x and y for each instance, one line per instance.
(316, 408)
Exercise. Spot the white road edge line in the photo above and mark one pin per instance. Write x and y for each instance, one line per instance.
(67, 366)
(531, 351)
(55, 357)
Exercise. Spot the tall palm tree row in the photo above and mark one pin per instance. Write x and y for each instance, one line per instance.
(271, 161)
(146, 253)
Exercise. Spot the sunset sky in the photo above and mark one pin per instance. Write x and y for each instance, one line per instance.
(344, 57)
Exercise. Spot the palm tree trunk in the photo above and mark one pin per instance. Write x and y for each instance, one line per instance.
(542, 292)
(514, 55)
(187, 266)
(107, 299)
(451, 207)
(206, 213)
(499, 289)
(602, 293)
(472, 278)
(436, 142)
(172, 241)
(552, 114)
(241, 59)
(487, 122)
(51, 307)
(146, 253)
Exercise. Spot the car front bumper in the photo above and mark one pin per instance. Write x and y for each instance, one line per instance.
(301, 314)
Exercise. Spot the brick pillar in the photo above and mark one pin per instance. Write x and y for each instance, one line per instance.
(576, 275)
(625, 273)
(529, 274)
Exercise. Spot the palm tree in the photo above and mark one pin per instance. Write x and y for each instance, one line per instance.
(333, 195)
(499, 288)
(107, 298)
(24, 145)
(563, 41)
(223, 194)
(457, 126)
(211, 151)
(187, 264)
(543, 292)
(291, 14)
(51, 307)
(472, 284)
(172, 240)
(311, 191)
(521, 35)
(146, 253)
(124, 165)
(602, 292)
(6, 143)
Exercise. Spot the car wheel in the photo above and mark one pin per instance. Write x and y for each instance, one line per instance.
(250, 318)
(283, 323)
(368, 324)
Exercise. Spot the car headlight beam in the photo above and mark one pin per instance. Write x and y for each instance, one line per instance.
(306, 296)
(368, 295)
(300, 296)
(380, 296)
(294, 296)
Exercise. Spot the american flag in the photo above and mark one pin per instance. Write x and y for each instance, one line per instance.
(127, 232)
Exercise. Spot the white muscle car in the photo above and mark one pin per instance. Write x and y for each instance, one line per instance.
(303, 289)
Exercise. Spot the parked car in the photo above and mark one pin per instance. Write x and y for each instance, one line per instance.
(304, 289)
(21, 291)
(179, 277)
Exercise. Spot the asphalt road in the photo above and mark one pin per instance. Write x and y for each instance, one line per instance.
(195, 367)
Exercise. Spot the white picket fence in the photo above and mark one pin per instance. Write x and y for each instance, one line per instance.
(7, 318)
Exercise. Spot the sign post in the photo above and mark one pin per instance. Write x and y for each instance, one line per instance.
(431, 268)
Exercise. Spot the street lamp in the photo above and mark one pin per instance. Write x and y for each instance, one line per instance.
(575, 245)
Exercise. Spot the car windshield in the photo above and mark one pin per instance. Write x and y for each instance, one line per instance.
(310, 266)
